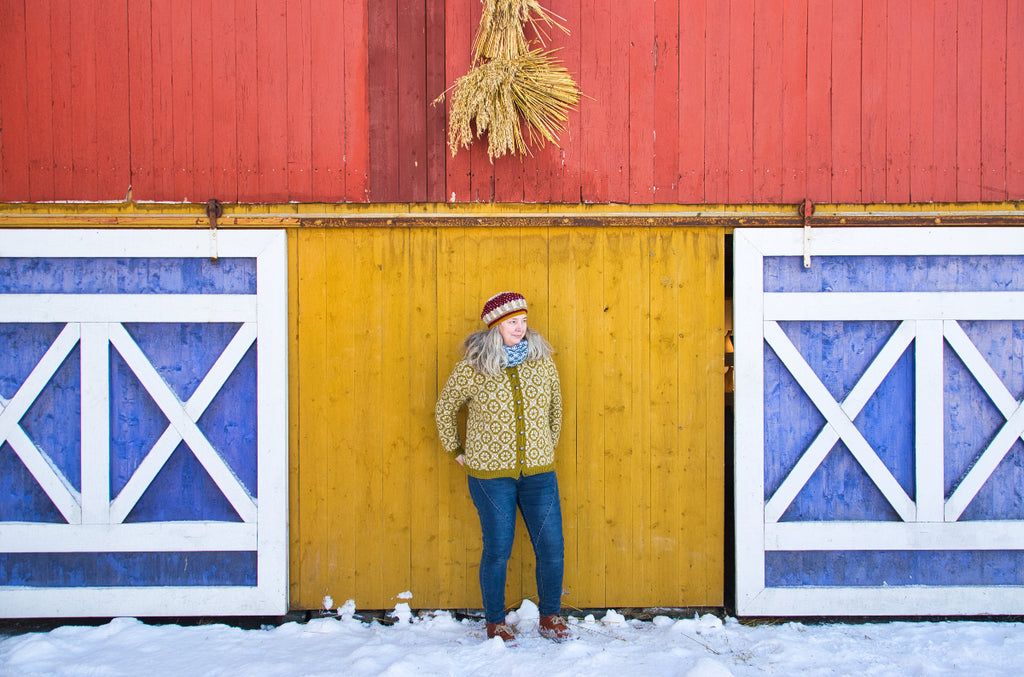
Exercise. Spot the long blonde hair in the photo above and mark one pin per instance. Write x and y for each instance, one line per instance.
(484, 350)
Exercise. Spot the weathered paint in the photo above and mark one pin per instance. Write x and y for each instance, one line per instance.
(739, 102)
(636, 317)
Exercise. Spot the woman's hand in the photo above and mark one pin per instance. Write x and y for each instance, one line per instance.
(461, 459)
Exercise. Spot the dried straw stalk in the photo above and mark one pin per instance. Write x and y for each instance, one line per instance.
(501, 33)
(510, 84)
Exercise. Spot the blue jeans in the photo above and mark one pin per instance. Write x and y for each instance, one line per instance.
(496, 501)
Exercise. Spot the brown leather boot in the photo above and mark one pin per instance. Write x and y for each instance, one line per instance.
(555, 628)
(502, 630)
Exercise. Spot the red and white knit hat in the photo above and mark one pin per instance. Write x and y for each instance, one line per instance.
(502, 306)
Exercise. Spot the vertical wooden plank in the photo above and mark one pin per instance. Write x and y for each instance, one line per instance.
(741, 101)
(616, 137)
(667, 92)
(945, 102)
(383, 99)
(819, 84)
(711, 360)
(140, 97)
(357, 121)
(994, 111)
(367, 284)
(692, 100)
(922, 100)
(1014, 99)
(794, 101)
(716, 103)
(224, 146)
(327, 109)
(701, 365)
(562, 297)
(39, 108)
(203, 112)
(621, 446)
(398, 424)
(569, 155)
(181, 101)
(666, 304)
(246, 115)
(767, 145)
(897, 103)
(299, 96)
(592, 535)
(83, 92)
(60, 41)
(316, 564)
(113, 171)
(968, 98)
(436, 143)
(690, 463)
(345, 438)
(296, 554)
(595, 76)
(640, 364)
(12, 51)
(271, 99)
(481, 174)
(456, 515)
(423, 374)
(642, 62)
(14, 153)
(846, 94)
(163, 116)
(458, 37)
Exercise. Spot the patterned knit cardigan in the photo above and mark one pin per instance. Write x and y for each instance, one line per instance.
(514, 420)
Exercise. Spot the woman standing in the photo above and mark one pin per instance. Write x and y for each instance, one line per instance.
(509, 383)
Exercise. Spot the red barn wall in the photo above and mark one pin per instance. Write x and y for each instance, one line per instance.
(695, 101)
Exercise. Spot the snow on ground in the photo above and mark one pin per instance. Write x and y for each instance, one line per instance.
(436, 643)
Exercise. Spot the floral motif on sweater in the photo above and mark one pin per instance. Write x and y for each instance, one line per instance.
(513, 422)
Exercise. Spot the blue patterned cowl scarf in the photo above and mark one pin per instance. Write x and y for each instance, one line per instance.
(516, 354)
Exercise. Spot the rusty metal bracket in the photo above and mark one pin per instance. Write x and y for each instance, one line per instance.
(214, 210)
(807, 211)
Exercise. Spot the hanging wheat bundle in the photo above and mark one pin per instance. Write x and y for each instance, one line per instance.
(509, 84)
(484, 94)
(501, 34)
(544, 92)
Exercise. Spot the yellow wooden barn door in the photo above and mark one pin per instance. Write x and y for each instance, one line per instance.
(637, 320)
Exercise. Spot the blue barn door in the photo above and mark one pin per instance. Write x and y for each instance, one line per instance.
(143, 423)
(879, 421)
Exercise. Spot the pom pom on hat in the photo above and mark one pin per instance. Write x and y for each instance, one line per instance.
(502, 306)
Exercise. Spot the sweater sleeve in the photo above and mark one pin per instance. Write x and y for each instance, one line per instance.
(453, 396)
(555, 415)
